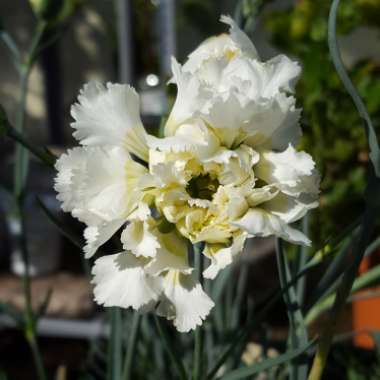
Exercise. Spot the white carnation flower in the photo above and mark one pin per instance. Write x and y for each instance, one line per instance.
(244, 99)
(226, 170)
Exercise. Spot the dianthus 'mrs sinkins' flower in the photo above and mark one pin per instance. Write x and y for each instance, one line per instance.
(225, 171)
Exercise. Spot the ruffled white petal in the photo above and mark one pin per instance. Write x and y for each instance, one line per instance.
(236, 165)
(227, 116)
(98, 185)
(109, 115)
(221, 257)
(258, 222)
(120, 280)
(167, 169)
(191, 97)
(241, 40)
(71, 175)
(194, 137)
(221, 47)
(290, 209)
(293, 172)
(282, 75)
(184, 301)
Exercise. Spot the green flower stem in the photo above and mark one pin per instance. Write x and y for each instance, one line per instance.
(8, 130)
(21, 160)
(297, 330)
(37, 356)
(20, 174)
(302, 258)
(114, 345)
(24, 68)
(29, 318)
(198, 333)
(173, 355)
(131, 346)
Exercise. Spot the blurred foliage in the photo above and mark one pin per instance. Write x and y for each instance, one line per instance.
(55, 12)
(353, 364)
(332, 131)
(201, 15)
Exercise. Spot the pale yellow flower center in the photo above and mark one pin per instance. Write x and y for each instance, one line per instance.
(203, 186)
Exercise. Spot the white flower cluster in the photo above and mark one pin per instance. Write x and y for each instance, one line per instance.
(225, 171)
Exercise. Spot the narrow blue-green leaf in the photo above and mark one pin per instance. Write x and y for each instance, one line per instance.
(12, 47)
(131, 346)
(244, 373)
(12, 312)
(62, 227)
(270, 301)
(333, 272)
(114, 362)
(198, 332)
(241, 293)
(326, 298)
(176, 360)
(297, 329)
(367, 224)
(368, 278)
(374, 153)
(244, 332)
(302, 259)
(6, 129)
(45, 304)
(218, 287)
(220, 283)
(372, 247)
(66, 231)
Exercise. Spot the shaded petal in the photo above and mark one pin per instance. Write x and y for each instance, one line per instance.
(226, 115)
(120, 280)
(109, 116)
(282, 74)
(236, 165)
(261, 80)
(96, 236)
(274, 123)
(266, 113)
(194, 137)
(171, 254)
(191, 97)
(291, 171)
(173, 203)
(184, 301)
(290, 209)
(139, 238)
(261, 194)
(221, 256)
(241, 40)
(230, 202)
(213, 49)
(258, 222)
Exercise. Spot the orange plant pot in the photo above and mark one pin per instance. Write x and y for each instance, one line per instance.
(366, 311)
